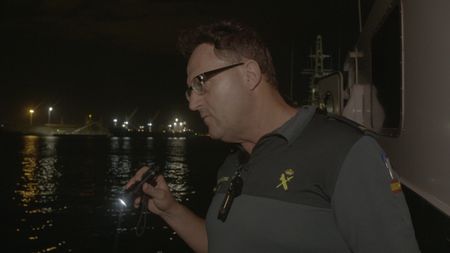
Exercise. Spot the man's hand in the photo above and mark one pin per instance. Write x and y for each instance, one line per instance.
(161, 201)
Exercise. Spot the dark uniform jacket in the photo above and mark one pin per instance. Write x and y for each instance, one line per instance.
(316, 184)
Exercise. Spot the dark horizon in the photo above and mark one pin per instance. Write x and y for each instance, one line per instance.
(110, 59)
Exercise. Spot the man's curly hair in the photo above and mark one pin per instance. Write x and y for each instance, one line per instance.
(232, 40)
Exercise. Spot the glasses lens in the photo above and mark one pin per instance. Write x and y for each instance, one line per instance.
(196, 86)
(188, 93)
(199, 81)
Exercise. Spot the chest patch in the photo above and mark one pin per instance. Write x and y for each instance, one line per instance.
(285, 178)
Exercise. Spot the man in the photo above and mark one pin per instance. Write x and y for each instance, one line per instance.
(301, 181)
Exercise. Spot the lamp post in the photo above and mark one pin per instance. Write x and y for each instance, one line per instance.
(115, 122)
(50, 109)
(31, 111)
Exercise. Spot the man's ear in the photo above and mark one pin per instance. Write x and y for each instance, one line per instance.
(253, 74)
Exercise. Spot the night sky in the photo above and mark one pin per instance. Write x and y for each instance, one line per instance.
(111, 58)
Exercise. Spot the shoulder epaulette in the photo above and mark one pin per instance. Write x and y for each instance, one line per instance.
(364, 130)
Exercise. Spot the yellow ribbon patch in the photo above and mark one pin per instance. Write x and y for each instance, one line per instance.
(395, 185)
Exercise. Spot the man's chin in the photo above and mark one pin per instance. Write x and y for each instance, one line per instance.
(213, 133)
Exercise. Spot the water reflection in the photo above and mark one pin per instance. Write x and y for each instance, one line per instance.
(36, 193)
(65, 194)
(177, 172)
(119, 169)
(122, 167)
(125, 157)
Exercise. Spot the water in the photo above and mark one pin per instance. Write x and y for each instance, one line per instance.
(59, 194)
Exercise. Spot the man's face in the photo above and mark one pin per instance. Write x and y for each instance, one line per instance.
(222, 103)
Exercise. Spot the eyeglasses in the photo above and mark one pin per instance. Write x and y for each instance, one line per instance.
(199, 81)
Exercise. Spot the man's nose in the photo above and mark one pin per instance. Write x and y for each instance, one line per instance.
(195, 101)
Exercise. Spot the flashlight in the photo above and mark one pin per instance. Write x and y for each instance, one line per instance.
(135, 190)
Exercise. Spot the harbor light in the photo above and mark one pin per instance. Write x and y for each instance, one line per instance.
(178, 126)
(31, 111)
(50, 109)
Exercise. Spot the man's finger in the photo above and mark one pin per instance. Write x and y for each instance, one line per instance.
(153, 192)
(137, 177)
(137, 202)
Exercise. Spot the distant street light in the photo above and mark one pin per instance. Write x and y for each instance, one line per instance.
(31, 111)
(149, 127)
(115, 122)
(50, 109)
